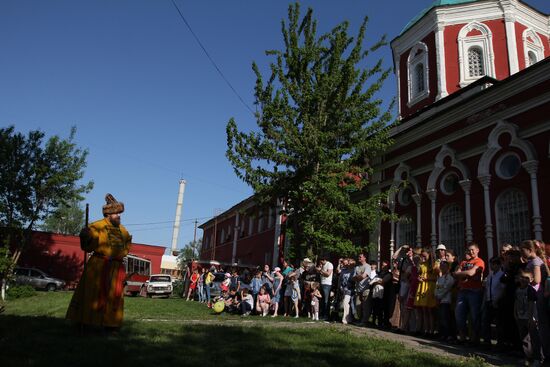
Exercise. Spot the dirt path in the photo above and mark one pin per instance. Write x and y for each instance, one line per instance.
(411, 342)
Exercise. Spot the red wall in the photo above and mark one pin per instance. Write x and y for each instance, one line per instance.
(61, 256)
(429, 40)
(502, 68)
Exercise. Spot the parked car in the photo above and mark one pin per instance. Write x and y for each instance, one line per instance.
(37, 279)
(158, 285)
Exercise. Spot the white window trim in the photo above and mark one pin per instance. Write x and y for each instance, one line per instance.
(484, 42)
(412, 61)
(536, 47)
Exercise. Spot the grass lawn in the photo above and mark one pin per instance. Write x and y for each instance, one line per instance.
(160, 332)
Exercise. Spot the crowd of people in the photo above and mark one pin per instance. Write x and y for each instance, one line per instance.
(433, 294)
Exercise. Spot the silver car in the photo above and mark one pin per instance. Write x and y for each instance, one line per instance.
(37, 279)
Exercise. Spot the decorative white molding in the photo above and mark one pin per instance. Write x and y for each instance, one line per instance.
(484, 42)
(439, 167)
(535, 46)
(418, 57)
(493, 146)
(397, 180)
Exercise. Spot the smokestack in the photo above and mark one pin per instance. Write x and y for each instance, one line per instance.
(178, 217)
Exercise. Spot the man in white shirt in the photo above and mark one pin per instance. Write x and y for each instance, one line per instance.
(362, 289)
(325, 271)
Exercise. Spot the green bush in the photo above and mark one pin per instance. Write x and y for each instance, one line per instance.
(177, 291)
(20, 291)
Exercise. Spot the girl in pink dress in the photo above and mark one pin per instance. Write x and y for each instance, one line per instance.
(263, 302)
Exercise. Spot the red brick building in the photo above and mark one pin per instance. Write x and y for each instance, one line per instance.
(245, 234)
(61, 256)
(471, 152)
(471, 158)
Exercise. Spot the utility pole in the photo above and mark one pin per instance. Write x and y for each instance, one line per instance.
(195, 232)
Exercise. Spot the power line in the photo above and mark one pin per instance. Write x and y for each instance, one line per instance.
(168, 221)
(210, 58)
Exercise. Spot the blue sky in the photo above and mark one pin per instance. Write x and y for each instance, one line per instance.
(146, 101)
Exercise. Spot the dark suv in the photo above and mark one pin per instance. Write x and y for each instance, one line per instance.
(37, 279)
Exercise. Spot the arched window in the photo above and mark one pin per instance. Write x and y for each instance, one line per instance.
(475, 62)
(532, 58)
(512, 215)
(417, 70)
(533, 47)
(475, 52)
(406, 231)
(419, 78)
(451, 228)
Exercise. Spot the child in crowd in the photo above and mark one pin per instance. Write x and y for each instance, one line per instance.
(524, 313)
(494, 290)
(247, 302)
(226, 282)
(263, 302)
(443, 294)
(295, 296)
(255, 285)
(377, 291)
(315, 300)
(306, 302)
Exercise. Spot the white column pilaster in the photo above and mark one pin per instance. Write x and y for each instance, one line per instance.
(532, 167)
(418, 200)
(510, 23)
(486, 182)
(467, 186)
(432, 194)
(440, 59)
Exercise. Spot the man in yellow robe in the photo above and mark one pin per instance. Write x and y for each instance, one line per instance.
(99, 298)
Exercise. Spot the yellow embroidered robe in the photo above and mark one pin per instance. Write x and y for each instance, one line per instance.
(99, 296)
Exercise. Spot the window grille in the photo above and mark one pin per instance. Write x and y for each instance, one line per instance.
(451, 228)
(512, 212)
(419, 77)
(532, 58)
(475, 62)
(406, 231)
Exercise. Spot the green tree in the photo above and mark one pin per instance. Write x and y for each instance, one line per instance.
(66, 219)
(190, 251)
(37, 177)
(320, 125)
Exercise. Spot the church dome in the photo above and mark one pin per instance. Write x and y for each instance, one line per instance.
(435, 4)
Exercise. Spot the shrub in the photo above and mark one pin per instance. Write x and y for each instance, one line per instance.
(178, 288)
(20, 291)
